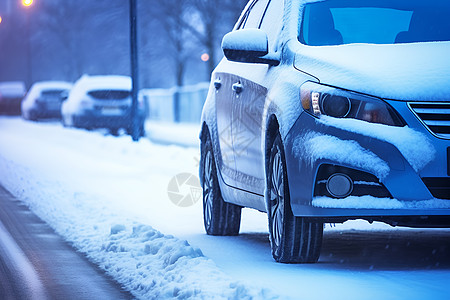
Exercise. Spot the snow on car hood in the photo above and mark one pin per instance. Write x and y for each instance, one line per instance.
(419, 71)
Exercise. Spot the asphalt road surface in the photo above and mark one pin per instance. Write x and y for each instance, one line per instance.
(36, 263)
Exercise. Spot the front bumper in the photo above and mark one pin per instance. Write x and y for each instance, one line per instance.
(402, 159)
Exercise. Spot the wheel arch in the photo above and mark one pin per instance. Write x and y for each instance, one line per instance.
(203, 136)
(272, 129)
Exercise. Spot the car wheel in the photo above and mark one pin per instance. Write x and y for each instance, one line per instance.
(141, 130)
(114, 131)
(220, 217)
(293, 239)
(32, 116)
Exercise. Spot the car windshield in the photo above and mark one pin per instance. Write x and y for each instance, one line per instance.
(375, 22)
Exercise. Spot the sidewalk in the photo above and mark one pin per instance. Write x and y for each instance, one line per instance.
(181, 134)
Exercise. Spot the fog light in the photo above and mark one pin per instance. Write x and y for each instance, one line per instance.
(339, 185)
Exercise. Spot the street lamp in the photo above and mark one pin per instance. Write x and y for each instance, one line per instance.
(1, 19)
(27, 2)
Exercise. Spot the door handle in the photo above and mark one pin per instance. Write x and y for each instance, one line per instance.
(217, 83)
(237, 87)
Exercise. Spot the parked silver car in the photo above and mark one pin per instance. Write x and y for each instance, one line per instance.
(44, 100)
(11, 96)
(326, 111)
(102, 102)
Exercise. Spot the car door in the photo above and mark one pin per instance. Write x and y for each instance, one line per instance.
(249, 98)
(224, 100)
(227, 94)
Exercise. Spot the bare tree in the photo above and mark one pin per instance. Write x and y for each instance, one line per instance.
(171, 14)
(216, 17)
(202, 21)
(78, 32)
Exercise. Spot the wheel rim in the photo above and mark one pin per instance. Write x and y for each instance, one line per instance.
(207, 189)
(277, 198)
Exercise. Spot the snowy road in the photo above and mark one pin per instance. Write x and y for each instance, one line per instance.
(35, 263)
(108, 196)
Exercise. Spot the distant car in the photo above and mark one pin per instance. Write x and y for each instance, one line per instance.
(11, 95)
(102, 102)
(327, 111)
(44, 100)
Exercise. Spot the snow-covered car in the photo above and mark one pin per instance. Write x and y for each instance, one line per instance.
(44, 100)
(11, 95)
(326, 111)
(102, 102)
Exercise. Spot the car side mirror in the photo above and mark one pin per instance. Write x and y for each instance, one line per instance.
(248, 46)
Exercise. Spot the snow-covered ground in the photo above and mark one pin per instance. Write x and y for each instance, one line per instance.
(109, 197)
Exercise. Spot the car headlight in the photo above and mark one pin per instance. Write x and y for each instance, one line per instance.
(320, 99)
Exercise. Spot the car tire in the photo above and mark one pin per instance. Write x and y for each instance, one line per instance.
(32, 116)
(219, 217)
(114, 131)
(141, 130)
(293, 239)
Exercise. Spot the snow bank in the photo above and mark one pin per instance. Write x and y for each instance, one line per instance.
(102, 194)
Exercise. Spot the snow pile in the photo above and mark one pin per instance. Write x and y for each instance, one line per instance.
(404, 138)
(320, 146)
(105, 195)
(162, 266)
(370, 202)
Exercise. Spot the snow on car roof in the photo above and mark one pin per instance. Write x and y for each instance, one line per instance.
(37, 87)
(44, 85)
(12, 88)
(118, 82)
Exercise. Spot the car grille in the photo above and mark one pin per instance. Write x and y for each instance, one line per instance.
(439, 186)
(435, 116)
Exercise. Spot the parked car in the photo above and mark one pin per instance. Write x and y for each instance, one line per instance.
(11, 95)
(327, 111)
(102, 102)
(44, 100)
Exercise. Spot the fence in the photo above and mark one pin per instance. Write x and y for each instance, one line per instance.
(163, 106)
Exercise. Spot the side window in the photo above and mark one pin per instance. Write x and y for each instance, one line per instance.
(255, 14)
(272, 22)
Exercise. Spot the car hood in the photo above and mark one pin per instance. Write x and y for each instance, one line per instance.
(419, 71)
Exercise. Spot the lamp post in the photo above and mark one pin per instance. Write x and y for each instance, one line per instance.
(134, 71)
(27, 4)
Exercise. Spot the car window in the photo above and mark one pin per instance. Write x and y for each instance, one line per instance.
(109, 94)
(253, 19)
(272, 21)
(375, 22)
(52, 93)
